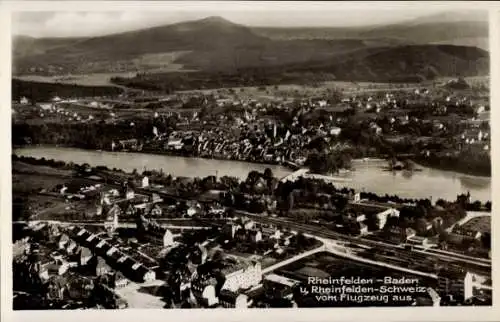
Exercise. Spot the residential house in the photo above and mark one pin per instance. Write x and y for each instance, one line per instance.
(249, 224)
(145, 182)
(156, 211)
(135, 270)
(205, 293)
(102, 268)
(473, 135)
(398, 234)
(168, 238)
(480, 109)
(271, 233)
(255, 236)
(115, 210)
(279, 287)
(63, 241)
(335, 130)
(111, 223)
(71, 247)
(353, 217)
(355, 227)
(321, 103)
(192, 211)
(229, 230)
(377, 130)
(242, 275)
(128, 144)
(241, 235)
(56, 288)
(43, 271)
(79, 288)
(118, 280)
(458, 284)
(85, 255)
(376, 212)
(381, 217)
(155, 198)
(131, 210)
(129, 193)
(153, 232)
(228, 299)
(217, 210)
(59, 266)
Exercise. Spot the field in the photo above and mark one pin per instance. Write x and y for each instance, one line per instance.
(481, 224)
(33, 193)
(39, 170)
(30, 183)
(286, 92)
(323, 89)
(97, 79)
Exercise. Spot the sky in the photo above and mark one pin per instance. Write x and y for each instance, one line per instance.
(93, 23)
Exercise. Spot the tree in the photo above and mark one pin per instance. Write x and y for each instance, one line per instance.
(476, 205)
(486, 240)
(253, 176)
(290, 199)
(421, 225)
(341, 204)
(268, 174)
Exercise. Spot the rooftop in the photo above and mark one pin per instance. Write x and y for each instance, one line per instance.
(281, 280)
(233, 264)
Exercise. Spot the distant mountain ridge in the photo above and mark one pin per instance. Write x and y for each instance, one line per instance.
(435, 29)
(216, 44)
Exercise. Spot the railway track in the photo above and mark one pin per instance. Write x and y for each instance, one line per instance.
(397, 252)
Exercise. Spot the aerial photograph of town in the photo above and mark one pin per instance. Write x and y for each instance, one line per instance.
(235, 159)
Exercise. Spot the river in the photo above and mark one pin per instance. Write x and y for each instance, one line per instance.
(367, 175)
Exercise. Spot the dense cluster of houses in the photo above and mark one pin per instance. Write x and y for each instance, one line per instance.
(113, 256)
(59, 263)
(248, 132)
(152, 232)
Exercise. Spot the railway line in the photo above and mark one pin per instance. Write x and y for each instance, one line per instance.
(414, 257)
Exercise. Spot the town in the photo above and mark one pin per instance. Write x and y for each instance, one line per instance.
(89, 237)
(218, 163)
(440, 126)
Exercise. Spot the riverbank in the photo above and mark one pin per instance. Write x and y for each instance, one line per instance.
(367, 176)
(428, 163)
(286, 164)
(460, 166)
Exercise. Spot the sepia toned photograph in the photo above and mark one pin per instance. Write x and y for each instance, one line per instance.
(230, 158)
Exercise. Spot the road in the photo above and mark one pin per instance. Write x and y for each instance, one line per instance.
(295, 258)
(480, 265)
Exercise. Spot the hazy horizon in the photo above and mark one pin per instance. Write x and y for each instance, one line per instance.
(52, 24)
